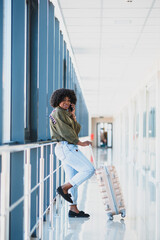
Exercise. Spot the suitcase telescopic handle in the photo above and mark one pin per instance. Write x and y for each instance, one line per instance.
(92, 156)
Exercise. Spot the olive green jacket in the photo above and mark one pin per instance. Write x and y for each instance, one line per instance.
(63, 127)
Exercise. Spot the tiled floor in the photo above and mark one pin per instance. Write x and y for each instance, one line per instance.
(140, 198)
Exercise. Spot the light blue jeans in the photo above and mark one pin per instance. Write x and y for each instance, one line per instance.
(77, 167)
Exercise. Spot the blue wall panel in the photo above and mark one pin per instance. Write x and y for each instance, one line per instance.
(73, 79)
(61, 60)
(17, 72)
(1, 56)
(17, 165)
(51, 59)
(16, 227)
(17, 110)
(34, 181)
(70, 85)
(33, 68)
(16, 183)
(77, 105)
(68, 67)
(64, 66)
(33, 160)
(71, 75)
(43, 76)
(57, 55)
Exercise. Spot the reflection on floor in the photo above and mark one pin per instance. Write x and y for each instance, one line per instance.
(140, 198)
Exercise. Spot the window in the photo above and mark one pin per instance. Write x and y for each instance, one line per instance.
(64, 73)
(32, 74)
(152, 123)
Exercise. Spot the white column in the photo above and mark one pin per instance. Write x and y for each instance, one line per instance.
(62, 175)
(6, 72)
(41, 193)
(57, 185)
(51, 186)
(27, 195)
(5, 196)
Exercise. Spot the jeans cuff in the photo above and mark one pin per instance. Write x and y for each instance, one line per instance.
(72, 183)
(74, 203)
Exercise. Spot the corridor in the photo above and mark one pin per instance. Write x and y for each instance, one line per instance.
(107, 54)
(140, 199)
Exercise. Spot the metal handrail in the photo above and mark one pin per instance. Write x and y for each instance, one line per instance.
(5, 208)
(22, 147)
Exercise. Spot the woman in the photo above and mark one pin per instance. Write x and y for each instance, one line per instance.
(64, 129)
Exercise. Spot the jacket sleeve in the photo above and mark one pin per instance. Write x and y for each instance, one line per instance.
(66, 131)
(77, 127)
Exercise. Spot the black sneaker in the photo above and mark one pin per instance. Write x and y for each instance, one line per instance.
(66, 196)
(81, 214)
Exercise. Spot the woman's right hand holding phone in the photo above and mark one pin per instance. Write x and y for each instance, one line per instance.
(72, 111)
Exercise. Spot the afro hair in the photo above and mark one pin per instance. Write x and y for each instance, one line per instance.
(58, 96)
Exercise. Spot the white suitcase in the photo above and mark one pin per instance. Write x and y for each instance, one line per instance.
(111, 191)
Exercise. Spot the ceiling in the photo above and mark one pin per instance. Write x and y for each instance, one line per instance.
(114, 44)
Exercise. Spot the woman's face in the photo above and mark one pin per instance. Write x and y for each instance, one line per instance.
(65, 103)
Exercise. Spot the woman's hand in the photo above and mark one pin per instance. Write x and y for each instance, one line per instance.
(85, 143)
(74, 108)
(73, 112)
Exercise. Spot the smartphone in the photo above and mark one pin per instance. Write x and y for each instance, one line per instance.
(70, 108)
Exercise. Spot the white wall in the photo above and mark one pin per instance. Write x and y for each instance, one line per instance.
(129, 143)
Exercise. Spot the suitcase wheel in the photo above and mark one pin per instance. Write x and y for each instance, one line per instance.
(123, 213)
(110, 216)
